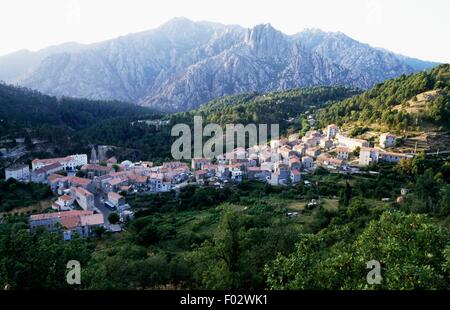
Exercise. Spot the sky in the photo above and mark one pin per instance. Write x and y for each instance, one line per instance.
(416, 28)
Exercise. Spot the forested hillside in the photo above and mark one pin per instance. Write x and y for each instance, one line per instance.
(387, 103)
(286, 108)
(62, 122)
(31, 108)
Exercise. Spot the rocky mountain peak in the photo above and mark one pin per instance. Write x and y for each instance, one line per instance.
(183, 64)
(265, 40)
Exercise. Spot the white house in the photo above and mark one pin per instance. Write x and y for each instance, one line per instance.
(387, 140)
(368, 156)
(84, 198)
(342, 152)
(392, 157)
(351, 143)
(68, 162)
(20, 173)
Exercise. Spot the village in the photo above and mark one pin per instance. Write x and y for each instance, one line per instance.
(89, 191)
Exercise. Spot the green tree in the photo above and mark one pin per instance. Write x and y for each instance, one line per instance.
(444, 201)
(81, 174)
(113, 218)
(408, 247)
(346, 194)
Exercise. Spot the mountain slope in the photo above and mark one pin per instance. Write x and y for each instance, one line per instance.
(398, 104)
(183, 64)
(17, 64)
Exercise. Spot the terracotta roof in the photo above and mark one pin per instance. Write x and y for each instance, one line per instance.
(342, 149)
(125, 188)
(49, 167)
(96, 168)
(72, 219)
(79, 181)
(49, 161)
(65, 198)
(55, 177)
(199, 172)
(94, 219)
(53, 215)
(83, 192)
(115, 181)
(70, 222)
(119, 173)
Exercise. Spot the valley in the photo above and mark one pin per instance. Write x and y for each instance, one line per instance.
(360, 170)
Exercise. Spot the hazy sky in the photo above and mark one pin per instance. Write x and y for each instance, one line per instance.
(418, 28)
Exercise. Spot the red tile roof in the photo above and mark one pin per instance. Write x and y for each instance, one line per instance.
(49, 167)
(43, 216)
(83, 192)
(79, 181)
(65, 198)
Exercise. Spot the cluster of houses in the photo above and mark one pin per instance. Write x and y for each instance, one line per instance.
(283, 161)
(84, 185)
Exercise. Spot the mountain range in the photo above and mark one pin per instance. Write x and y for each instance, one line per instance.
(184, 64)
